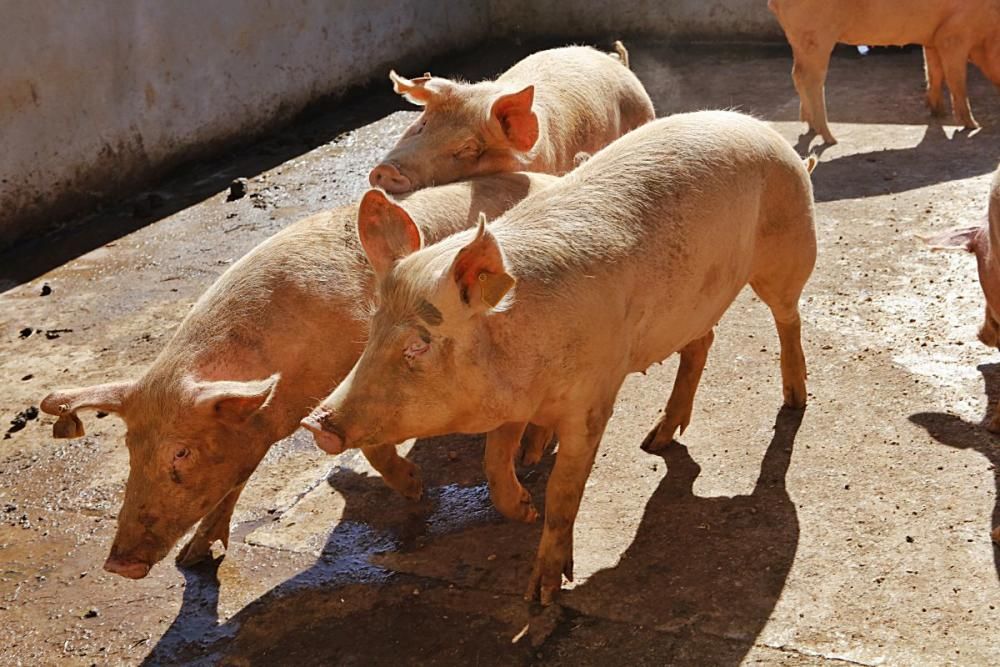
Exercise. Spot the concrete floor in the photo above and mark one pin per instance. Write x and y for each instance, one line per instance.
(855, 532)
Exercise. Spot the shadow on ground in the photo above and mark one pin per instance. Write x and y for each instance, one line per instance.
(696, 586)
(937, 158)
(956, 432)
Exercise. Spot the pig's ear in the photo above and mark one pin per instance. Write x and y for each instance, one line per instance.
(414, 90)
(518, 121)
(386, 230)
(479, 271)
(960, 238)
(64, 404)
(234, 402)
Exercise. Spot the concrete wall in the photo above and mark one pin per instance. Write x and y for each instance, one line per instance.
(684, 19)
(97, 98)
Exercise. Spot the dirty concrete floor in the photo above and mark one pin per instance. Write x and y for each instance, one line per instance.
(855, 532)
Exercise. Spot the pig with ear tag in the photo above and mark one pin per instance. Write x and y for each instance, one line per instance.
(540, 316)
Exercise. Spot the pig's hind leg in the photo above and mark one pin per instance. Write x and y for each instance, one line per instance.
(811, 59)
(783, 300)
(681, 402)
(510, 498)
(935, 79)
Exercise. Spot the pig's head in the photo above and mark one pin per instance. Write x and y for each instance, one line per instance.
(429, 365)
(465, 130)
(188, 445)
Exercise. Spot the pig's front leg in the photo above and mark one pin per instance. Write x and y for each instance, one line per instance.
(509, 497)
(213, 526)
(681, 402)
(399, 474)
(577, 448)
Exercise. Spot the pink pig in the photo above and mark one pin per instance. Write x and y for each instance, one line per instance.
(277, 330)
(537, 116)
(540, 317)
(951, 32)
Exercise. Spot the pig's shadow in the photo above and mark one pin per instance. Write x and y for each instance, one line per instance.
(696, 586)
(281, 626)
(937, 158)
(704, 571)
(960, 434)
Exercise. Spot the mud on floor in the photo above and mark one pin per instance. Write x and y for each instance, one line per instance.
(857, 531)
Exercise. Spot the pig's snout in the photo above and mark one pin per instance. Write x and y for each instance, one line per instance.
(329, 437)
(130, 569)
(388, 177)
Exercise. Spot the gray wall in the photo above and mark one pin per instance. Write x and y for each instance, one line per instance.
(98, 97)
(687, 19)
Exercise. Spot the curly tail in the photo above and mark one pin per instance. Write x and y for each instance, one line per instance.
(622, 53)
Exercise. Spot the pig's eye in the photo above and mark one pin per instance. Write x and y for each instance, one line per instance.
(182, 454)
(468, 151)
(416, 128)
(415, 349)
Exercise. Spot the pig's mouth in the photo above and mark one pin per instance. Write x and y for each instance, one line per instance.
(329, 437)
(128, 568)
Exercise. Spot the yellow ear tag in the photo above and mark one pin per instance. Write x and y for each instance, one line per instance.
(494, 286)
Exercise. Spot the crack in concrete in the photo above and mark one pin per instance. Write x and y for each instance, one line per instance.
(816, 654)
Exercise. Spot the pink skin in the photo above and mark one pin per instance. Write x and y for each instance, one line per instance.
(235, 379)
(540, 316)
(538, 116)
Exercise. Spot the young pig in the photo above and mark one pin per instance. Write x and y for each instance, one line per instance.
(983, 240)
(280, 328)
(537, 116)
(952, 33)
(633, 256)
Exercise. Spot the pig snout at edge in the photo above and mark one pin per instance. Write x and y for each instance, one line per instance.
(328, 436)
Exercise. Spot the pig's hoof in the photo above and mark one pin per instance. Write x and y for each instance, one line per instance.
(521, 510)
(795, 397)
(659, 438)
(194, 552)
(407, 483)
(546, 579)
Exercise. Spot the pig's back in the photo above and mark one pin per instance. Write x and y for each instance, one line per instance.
(646, 196)
(585, 99)
(874, 22)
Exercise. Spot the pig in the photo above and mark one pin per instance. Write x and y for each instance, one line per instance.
(537, 116)
(633, 256)
(274, 334)
(984, 241)
(952, 33)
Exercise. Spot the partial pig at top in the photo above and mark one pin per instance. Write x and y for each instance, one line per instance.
(983, 240)
(278, 330)
(537, 116)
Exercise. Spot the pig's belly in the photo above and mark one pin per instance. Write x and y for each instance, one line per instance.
(666, 325)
